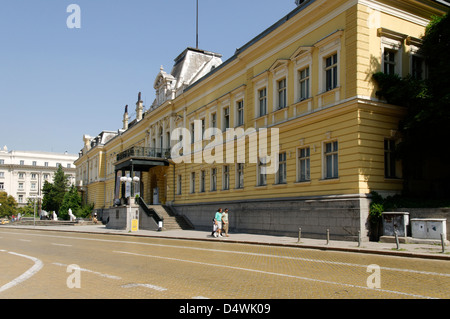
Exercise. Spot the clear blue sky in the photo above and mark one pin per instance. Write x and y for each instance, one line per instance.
(57, 84)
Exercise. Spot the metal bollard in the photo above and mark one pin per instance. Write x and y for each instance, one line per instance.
(359, 238)
(443, 243)
(328, 236)
(396, 240)
(299, 235)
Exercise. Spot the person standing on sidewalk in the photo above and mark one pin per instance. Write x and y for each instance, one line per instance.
(225, 221)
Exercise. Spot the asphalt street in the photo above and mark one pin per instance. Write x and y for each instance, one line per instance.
(38, 264)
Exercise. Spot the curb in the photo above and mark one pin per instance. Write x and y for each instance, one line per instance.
(305, 246)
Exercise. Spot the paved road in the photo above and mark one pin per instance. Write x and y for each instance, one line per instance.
(47, 264)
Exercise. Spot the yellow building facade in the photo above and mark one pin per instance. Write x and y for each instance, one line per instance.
(307, 82)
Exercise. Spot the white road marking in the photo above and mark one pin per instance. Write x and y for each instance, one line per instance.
(242, 253)
(92, 272)
(64, 245)
(26, 275)
(25, 240)
(144, 285)
(278, 274)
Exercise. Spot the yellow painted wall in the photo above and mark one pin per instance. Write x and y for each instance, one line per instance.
(350, 114)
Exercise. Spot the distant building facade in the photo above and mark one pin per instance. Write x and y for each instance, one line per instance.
(23, 173)
(310, 77)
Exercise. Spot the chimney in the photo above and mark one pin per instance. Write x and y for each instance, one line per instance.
(139, 108)
(125, 119)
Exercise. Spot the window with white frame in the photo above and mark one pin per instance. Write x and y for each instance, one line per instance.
(262, 176)
(226, 118)
(262, 101)
(21, 175)
(240, 113)
(226, 177)
(391, 50)
(281, 174)
(281, 93)
(202, 181)
(304, 164)
(179, 184)
(389, 61)
(331, 72)
(304, 86)
(329, 57)
(331, 160)
(239, 175)
(192, 182)
(2, 185)
(214, 120)
(213, 179)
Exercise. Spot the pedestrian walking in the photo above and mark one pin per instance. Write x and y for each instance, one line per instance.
(218, 223)
(225, 222)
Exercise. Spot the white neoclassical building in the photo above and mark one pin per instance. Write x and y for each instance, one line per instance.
(23, 173)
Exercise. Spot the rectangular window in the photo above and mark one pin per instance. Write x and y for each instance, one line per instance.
(22, 162)
(179, 184)
(331, 72)
(20, 186)
(331, 160)
(34, 163)
(304, 169)
(213, 120)
(226, 177)
(21, 175)
(202, 181)
(192, 133)
(281, 174)
(389, 61)
(262, 94)
(213, 179)
(240, 113)
(203, 128)
(389, 158)
(282, 103)
(304, 83)
(193, 182)
(262, 176)
(2, 185)
(226, 118)
(240, 175)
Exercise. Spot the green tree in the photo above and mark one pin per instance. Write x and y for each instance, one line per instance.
(8, 205)
(54, 193)
(71, 200)
(424, 129)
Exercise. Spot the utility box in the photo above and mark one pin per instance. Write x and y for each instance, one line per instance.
(395, 221)
(429, 228)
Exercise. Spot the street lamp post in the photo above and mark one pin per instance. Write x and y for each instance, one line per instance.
(124, 180)
(34, 215)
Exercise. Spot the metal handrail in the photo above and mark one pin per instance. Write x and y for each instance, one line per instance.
(150, 212)
(136, 151)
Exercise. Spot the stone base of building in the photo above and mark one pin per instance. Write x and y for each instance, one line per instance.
(344, 216)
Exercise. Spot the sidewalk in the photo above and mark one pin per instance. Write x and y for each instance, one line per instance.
(431, 251)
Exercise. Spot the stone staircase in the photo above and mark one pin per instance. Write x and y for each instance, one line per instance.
(171, 220)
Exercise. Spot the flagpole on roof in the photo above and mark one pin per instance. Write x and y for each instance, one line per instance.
(197, 28)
